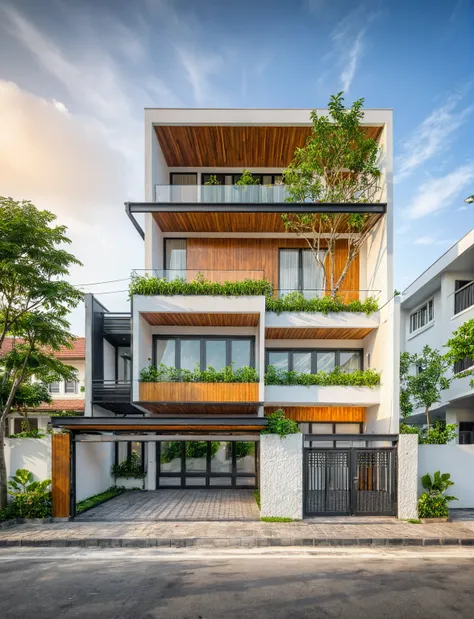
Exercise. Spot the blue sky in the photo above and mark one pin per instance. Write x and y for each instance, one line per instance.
(75, 77)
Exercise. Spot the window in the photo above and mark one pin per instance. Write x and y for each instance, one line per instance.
(311, 361)
(53, 387)
(218, 352)
(463, 295)
(462, 366)
(328, 428)
(231, 179)
(422, 316)
(18, 421)
(175, 258)
(183, 178)
(299, 271)
(70, 386)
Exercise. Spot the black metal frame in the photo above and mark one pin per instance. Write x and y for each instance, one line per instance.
(208, 474)
(335, 436)
(313, 352)
(236, 177)
(463, 296)
(202, 351)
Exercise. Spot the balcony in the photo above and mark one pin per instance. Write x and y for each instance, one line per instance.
(301, 395)
(221, 194)
(464, 298)
(111, 391)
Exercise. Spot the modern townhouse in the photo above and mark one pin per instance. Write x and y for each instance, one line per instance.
(218, 259)
(435, 305)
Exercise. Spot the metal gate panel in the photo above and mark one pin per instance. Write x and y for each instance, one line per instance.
(375, 482)
(327, 482)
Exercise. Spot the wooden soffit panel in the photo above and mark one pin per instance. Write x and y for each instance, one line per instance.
(167, 409)
(234, 146)
(217, 221)
(333, 414)
(291, 333)
(199, 392)
(189, 319)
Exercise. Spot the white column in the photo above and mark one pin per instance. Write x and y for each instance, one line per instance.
(407, 476)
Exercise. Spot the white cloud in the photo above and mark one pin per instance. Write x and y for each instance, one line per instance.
(430, 240)
(199, 68)
(432, 136)
(355, 53)
(437, 194)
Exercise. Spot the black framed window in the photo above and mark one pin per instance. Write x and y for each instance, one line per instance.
(298, 271)
(70, 386)
(137, 447)
(231, 179)
(54, 387)
(184, 352)
(313, 360)
(175, 258)
(321, 427)
(18, 421)
(423, 316)
(183, 178)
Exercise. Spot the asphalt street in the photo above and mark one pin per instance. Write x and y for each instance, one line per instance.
(291, 583)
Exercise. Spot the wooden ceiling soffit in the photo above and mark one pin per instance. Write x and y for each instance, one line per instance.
(292, 333)
(332, 414)
(240, 146)
(191, 319)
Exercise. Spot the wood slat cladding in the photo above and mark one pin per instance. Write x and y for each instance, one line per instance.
(234, 146)
(332, 414)
(232, 222)
(167, 409)
(189, 319)
(198, 392)
(261, 255)
(61, 475)
(315, 334)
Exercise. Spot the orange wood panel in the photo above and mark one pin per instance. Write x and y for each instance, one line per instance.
(198, 392)
(316, 334)
(235, 146)
(189, 319)
(348, 414)
(61, 474)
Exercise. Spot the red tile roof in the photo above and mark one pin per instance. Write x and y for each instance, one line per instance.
(78, 350)
(61, 405)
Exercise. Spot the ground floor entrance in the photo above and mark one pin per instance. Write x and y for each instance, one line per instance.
(352, 481)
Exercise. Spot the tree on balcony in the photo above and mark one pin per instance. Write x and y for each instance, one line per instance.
(338, 164)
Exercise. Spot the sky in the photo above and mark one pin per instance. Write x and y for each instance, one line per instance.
(76, 75)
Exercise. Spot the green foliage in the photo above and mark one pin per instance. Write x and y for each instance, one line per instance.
(358, 378)
(27, 432)
(130, 468)
(32, 499)
(296, 302)
(460, 347)
(275, 519)
(97, 499)
(23, 482)
(169, 374)
(434, 502)
(437, 483)
(439, 433)
(194, 449)
(414, 521)
(247, 179)
(148, 285)
(256, 494)
(277, 423)
(244, 448)
(212, 180)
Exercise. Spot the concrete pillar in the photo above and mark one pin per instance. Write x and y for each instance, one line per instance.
(407, 476)
(281, 476)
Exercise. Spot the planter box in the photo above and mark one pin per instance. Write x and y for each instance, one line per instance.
(198, 392)
(433, 520)
(129, 482)
(279, 395)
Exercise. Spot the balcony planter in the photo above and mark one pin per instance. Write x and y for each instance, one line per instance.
(130, 482)
(302, 395)
(198, 392)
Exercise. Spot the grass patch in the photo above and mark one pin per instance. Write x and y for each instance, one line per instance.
(256, 494)
(97, 499)
(414, 521)
(275, 519)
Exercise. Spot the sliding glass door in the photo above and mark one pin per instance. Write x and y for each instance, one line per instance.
(300, 272)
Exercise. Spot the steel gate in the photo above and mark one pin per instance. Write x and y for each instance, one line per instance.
(352, 481)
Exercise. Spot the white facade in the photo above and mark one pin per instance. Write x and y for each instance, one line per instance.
(439, 284)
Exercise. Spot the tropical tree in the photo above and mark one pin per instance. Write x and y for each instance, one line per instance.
(461, 347)
(35, 301)
(338, 164)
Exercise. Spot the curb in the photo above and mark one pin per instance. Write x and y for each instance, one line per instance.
(244, 542)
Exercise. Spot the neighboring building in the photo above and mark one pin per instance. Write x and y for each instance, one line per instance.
(437, 303)
(66, 395)
(231, 233)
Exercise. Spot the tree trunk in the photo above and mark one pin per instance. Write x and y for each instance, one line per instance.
(427, 412)
(3, 467)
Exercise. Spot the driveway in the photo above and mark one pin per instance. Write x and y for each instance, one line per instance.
(152, 506)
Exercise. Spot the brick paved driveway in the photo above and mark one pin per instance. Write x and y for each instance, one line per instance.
(149, 506)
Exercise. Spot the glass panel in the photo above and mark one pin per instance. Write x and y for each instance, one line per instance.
(216, 354)
(245, 454)
(170, 456)
(302, 362)
(313, 275)
(175, 258)
(53, 387)
(267, 179)
(136, 447)
(190, 354)
(70, 386)
(424, 315)
(165, 352)
(240, 353)
(347, 428)
(18, 423)
(220, 481)
(196, 481)
(322, 444)
(245, 481)
(326, 361)
(221, 457)
(279, 360)
(196, 456)
(184, 179)
(289, 267)
(430, 310)
(350, 361)
(169, 481)
(321, 428)
(304, 428)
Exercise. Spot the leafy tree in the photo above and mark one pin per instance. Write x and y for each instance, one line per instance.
(423, 387)
(35, 301)
(461, 347)
(337, 164)
(247, 179)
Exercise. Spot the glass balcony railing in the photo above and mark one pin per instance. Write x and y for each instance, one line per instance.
(200, 275)
(221, 194)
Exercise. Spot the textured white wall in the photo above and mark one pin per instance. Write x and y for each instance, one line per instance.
(33, 454)
(407, 476)
(281, 476)
(458, 460)
(93, 464)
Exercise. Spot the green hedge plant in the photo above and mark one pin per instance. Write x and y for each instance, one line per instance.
(97, 499)
(358, 378)
(31, 499)
(296, 302)
(277, 423)
(169, 374)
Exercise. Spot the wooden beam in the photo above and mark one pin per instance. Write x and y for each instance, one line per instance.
(61, 475)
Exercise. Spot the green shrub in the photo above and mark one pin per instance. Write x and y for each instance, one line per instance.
(149, 285)
(168, 374)
(130, 468)
(358, 378)
(275, 519)
(296, 302)
(277, 423)
(32, 499)
(244, 448)
(434, 502)
(97, 499)
(439, 433)
(247, 178)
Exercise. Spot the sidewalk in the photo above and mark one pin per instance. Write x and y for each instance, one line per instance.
(321, 532)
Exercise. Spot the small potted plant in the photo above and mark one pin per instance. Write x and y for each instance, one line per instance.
(433, 503)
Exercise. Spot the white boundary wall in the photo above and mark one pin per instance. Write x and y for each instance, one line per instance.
(33, 454)
(93, 466)
(281, 476)
(458, 460)
(407, 476)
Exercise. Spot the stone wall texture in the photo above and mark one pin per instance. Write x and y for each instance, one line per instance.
(281, 476)
(407, 476)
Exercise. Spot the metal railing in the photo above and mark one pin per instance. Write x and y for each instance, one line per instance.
(111, 390)
(211, 275)
(227, 194)
(318, 293)
(117, 323)
(464, 297)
